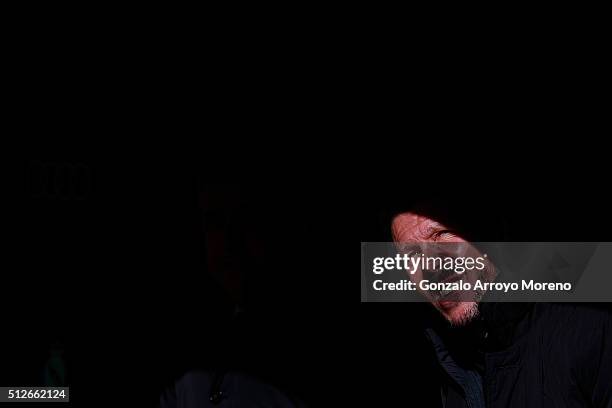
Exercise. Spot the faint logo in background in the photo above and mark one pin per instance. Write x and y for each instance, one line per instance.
(60, 180)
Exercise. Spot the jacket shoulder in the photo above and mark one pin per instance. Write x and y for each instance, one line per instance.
(575, 339)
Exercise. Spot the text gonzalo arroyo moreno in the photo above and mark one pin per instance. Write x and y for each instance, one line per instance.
(458, 265)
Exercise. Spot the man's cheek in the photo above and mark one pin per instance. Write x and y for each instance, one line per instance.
(415, 277)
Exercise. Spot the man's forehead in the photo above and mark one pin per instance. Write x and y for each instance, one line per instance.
(412, 224)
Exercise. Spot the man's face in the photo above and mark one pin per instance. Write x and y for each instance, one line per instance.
(411, 227)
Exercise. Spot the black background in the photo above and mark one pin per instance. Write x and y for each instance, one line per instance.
(110, 261)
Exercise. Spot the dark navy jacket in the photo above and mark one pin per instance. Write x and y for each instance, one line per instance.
(528, 356)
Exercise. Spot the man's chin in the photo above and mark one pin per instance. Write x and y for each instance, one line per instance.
(458, 313)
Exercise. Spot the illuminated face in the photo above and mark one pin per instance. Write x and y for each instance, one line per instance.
(409, 228)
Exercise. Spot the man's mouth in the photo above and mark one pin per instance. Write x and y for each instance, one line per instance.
(447, 304)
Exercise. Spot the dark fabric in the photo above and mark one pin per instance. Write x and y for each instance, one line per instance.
(453, 398)
(466, 377)
(533, 355)
(202, 389)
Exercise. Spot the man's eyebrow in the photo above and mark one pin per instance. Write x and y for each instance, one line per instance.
(431, 228)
